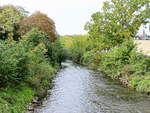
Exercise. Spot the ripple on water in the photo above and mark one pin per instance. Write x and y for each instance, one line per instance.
(80, 90)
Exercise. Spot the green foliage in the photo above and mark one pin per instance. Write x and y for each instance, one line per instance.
(76, 46)
(37, 45)
(119, 20)
(121, 62)
(115, 54)
(117, 58)
(14, 100)
(56, 53)
(35, 37)
(53, 50)
(124, 63)
(43, 74)
(27, 61)
(13, 61)
(10, 17)
(18, 58)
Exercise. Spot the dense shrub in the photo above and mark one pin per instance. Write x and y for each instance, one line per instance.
(117, 57)
(43, 74)
(76, 46)
(12, 63)
(56, 53)
(14, 100)
(36, 44)
(54, 50)
(113, 28)
(123, 63)
(35, 37)
(27, 63)
(26, 59)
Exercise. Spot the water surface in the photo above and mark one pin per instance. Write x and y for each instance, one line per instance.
(78, 89)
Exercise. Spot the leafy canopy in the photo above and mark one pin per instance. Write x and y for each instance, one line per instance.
(10, 17)
(40, 21)
(118, 20)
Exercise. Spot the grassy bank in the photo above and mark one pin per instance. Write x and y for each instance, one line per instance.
(122, 63)
(15, 100)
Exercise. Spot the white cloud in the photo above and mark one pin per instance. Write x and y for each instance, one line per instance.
(69, 15)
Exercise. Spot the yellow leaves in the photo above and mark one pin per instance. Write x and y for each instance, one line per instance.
(40, 49)
(8, 16)
(38, 52)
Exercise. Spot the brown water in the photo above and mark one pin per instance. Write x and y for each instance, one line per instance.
(81, 90)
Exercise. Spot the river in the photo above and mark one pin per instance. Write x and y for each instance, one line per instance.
(78, 89)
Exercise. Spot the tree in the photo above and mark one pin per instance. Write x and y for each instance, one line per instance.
(10, 17)
(40, 21)
(118, 20)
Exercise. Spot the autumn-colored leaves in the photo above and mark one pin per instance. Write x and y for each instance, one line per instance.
(40, 21)
(16, 23)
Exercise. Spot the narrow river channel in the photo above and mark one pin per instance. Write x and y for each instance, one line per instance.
(78, 89)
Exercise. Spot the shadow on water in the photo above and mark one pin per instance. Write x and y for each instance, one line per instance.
(80, 90)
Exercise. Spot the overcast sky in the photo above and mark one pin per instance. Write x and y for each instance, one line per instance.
(70, 16)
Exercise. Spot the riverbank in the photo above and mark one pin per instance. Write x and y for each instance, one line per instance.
(27, 68)
(78, 89)
(123, 63)
(16, 99)
(23, 97)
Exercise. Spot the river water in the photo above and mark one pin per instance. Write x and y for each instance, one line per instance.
(78, 89)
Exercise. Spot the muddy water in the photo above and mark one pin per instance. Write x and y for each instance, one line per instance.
(80, 90)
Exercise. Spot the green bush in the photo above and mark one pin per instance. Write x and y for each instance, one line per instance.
(122, 62)
(41, 79)
(41, 71)
(76, 46)
(14, 100)
(35, 37)
(27, 62)
(12, 63)
(19, 60)
(56, 53)
(117, 58)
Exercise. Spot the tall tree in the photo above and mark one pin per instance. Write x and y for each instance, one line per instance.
(40, 21)
(10, 17)
(118, 20)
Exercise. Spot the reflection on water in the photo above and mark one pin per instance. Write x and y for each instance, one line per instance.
(80, 90)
